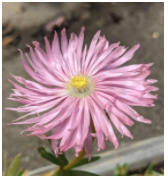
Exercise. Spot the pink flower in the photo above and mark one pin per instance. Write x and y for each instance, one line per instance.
(73, 84)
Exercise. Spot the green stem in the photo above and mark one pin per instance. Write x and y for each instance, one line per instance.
(75, 160)
(72, 163)
(56, 170)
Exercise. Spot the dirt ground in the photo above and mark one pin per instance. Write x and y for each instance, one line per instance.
(129, 23)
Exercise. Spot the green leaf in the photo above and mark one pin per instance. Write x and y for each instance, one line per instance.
(121, 170)
(63, 160)
(75, 173)
(155, 173)
(20, 172)
(48, 156)
(150, 168)
(85, 161)
(12, 170)
(5, 164)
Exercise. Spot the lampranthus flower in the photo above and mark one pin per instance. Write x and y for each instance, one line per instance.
(76, 87)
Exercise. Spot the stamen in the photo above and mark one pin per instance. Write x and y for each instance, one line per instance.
(79, 82)
(80, 86)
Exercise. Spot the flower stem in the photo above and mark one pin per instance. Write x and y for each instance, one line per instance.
(75, 160)
(56, 171)
(72, 163)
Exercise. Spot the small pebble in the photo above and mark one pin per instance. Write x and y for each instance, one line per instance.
(155, 35)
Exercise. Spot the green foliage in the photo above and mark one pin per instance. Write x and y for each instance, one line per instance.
(20, 172)
(5, 164)
(85, 161)
(74, 173)
(12, 169)
(121, 170)
(60, 160)
(150, 169)
(63, 160)
(150, 172)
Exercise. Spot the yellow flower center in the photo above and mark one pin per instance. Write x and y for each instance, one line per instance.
(79, 82)
(80, 86)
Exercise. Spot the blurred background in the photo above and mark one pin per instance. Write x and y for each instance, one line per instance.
(129, 23)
